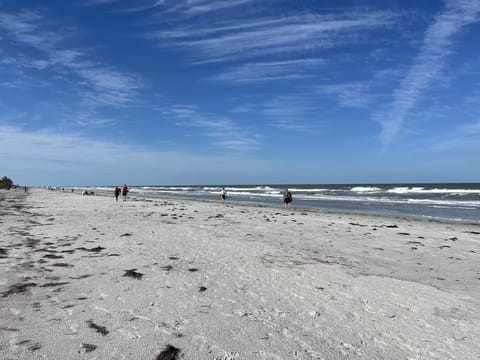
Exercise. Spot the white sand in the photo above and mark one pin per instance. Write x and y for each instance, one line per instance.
(231, 282)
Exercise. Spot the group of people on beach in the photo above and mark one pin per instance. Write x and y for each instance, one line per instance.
(116, 191)
(287, 195)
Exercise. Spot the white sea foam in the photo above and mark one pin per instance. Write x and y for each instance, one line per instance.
(388, 200)
(421, 190)
(310, 190)
(365, 189)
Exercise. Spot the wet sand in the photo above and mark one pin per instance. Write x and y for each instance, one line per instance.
(84, 277)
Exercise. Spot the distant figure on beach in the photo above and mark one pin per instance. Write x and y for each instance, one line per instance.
(124, 192)
(116, 192)
(223, 195)
(287, 198)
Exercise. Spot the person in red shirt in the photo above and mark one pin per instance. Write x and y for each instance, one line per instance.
(124, 192)
(116, 192)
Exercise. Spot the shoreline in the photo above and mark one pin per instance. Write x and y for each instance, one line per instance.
(307, 209)
(129, 279)
(458, 202)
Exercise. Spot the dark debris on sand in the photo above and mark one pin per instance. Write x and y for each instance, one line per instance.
(169, 353)
(101, 329)
(133, 273)
(54, 284)
(62, 265)
(88, 347)
(166, 267)
(18, 289)
(95, 249)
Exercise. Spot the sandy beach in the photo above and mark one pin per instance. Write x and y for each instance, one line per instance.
(84, 277)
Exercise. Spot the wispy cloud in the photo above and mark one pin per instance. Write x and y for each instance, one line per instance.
(467, 135)
(298, 34)
(427, 67)
(291, 113)
(58, 158)
(349, 95)
(199, 7)
(184, 8)
(202, 6)
(269, 71)
(224, 132)
(101, 83)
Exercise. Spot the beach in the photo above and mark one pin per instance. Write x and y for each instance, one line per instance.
(85, 277)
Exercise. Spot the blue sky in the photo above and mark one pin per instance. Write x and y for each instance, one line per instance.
(239, 91)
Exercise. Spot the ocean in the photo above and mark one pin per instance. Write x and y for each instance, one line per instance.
(455, 201)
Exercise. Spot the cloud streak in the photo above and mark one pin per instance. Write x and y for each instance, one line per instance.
(298, 34)
(199, 7)
(270, 71)
(225, 132)
(46, 157)
(427, 67)
(101, 84)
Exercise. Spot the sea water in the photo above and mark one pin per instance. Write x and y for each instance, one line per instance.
(457, 201)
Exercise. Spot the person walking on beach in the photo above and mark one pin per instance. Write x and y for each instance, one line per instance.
(124, 192)
(116, 192)
(287, 198)
(223, 194)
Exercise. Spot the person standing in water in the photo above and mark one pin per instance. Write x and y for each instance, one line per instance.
(124, 192)
(223, 194)
(287, 198)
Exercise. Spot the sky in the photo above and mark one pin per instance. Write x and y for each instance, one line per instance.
(158, 92)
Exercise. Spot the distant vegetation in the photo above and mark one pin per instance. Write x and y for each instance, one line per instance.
(6, 183)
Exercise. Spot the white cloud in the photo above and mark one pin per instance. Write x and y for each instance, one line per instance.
(40, 157)
(259, 37)
(291, 113)
(467, 135)
(268, 71)
(349, 95)
(198, 7)
(224, 132)
(427, 67)
(101, 83)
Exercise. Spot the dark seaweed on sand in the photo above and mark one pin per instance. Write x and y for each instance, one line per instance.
(101, 329)
(53, 256)
(18, 289)
(35, 347)
(88, 347)
(133, 273)
(167, 267)
(169, 353)
(54, 284)
(62, 265)
(95, 249)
